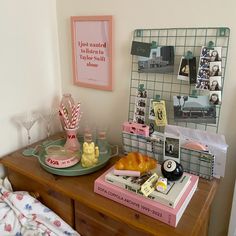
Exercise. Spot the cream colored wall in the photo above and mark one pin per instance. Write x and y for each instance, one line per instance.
(112, 107)
(29, 66)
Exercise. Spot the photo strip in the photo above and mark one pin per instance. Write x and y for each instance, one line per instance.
(209, 66)
(140, 106)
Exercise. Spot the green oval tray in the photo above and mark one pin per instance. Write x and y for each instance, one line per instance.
(73, 170)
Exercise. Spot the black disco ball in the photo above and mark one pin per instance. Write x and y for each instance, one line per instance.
(172, 170)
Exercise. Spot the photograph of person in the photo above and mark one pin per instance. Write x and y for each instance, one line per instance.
(215, 68)
(205, 52)
(183, 70)
(215, 97)
(215, 83)
(204, 74)
(172, 148)
(215, 54)
(202, 84)
(204, 63)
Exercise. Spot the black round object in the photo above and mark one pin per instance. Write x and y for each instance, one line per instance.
(172, 170)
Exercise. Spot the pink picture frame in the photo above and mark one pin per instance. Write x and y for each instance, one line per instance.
(92, 51)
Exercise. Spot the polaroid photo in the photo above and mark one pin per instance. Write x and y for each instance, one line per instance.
(161, 60)
(171, 148)
(215, 83)
(151, 113)
(215, 97)
(202, 84)
(184, 70)
(194, 109)
(187, 70)
(215, 68)
(215, 54)
(205, 52)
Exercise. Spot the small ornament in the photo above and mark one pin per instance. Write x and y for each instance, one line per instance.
(90, 155)
(172, 170)
(161, 185)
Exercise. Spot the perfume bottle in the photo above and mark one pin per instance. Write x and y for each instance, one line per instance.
(88, 134)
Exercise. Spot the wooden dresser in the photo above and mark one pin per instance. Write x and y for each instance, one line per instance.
(73, 199)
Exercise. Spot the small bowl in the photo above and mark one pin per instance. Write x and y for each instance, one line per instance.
(61, 161)
(60, 157)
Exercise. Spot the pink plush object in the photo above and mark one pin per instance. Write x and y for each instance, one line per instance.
(126, 172)
(194, 145)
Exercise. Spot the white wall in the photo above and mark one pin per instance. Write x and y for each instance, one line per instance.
(112, 107)
(29, 66)
(232, 226)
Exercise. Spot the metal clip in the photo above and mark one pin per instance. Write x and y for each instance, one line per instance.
(141, 87)
(139, 33)
(222, 32)
(210, 45)
(189, 55)
(154, 45)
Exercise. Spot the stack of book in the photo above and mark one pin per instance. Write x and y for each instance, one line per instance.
(167, 207)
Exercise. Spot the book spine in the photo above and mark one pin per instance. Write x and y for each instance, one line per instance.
(129, 200)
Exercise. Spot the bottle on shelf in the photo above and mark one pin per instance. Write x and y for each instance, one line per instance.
(102, 142)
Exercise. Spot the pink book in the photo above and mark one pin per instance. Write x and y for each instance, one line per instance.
(170, 216)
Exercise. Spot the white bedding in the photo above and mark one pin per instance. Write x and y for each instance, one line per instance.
(23, 215)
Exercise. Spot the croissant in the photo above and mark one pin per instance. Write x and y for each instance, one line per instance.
(137, 162)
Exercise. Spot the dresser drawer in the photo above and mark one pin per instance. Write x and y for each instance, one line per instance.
(90, 222)
(60, 204)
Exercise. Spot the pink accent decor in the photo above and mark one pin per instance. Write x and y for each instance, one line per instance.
(72, 142)
(126, 172)
(92, 51)
(170, 216)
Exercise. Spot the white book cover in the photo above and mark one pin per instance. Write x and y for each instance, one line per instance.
(169, 198)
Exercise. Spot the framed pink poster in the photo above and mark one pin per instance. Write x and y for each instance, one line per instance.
(92, 51)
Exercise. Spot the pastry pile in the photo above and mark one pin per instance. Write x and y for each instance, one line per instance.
(136, 161)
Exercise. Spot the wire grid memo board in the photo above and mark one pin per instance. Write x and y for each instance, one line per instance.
(167, 85)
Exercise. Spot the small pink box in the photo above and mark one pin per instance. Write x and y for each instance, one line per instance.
(135, 128)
